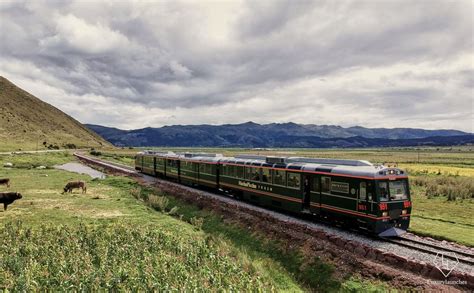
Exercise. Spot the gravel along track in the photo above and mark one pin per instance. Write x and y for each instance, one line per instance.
(381, 244)
(377, 243)
(446, 245)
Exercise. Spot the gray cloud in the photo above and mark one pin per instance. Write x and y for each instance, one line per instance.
(137, 64)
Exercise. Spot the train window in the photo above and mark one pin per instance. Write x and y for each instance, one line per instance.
(293, 180)
(315, 187)
(325, 184)
(248, 173)
(279, 177)
(148, 162)
(266, 175)
(398, 190)
(239, 172)
(383, 191)
(369, 191)
(256, 174)
(224, 170)
(186, 165)
(204, 168)
(362, 191)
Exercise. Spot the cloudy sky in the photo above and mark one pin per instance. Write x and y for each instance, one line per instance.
(152, 63)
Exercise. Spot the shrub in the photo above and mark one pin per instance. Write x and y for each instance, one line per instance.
(159, 203)
(136, 192)
(197, 222)
(452, 187)
(95, 153)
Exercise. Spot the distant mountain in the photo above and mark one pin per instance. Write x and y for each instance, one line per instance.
(251, 134)
(28, 123)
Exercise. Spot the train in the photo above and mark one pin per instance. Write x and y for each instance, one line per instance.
(351, 193)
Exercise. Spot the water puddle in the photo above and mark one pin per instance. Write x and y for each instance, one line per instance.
(81, 169)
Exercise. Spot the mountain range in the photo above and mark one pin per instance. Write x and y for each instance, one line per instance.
(28, 123)
(251, 134)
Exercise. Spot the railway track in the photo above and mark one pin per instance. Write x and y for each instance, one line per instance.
(408, 243)
(119, 167)
(434, 249)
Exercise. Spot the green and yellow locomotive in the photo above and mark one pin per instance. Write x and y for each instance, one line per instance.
(350, 192)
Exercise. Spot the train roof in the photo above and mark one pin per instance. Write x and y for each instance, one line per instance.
(359, 168)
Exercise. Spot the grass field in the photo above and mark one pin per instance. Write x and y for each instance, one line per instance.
(109, 239)
(438, 216)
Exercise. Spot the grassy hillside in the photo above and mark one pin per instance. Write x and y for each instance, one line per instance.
(28, 123)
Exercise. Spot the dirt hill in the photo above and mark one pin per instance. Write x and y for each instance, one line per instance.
(27, 123)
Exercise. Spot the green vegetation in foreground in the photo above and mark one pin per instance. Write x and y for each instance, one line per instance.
(109, 239)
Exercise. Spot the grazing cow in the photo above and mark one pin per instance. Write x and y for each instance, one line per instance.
(75, 184)
(5, 181)
(8, 198)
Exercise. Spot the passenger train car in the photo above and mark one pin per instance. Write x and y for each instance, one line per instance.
(353, 193)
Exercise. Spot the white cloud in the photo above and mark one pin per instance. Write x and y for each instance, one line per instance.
(137, 64)
(76, 34)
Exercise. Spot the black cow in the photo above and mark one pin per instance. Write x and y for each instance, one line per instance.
(75, 184)
(5, 181)
(8, 198)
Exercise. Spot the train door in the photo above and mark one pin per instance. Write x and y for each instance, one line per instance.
(306, 190)
(362, 200)
(154, 167)
(315, 203)
(218, 171)
(164, 167)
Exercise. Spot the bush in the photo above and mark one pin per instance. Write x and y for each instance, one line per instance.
(95, 153)
(452, 187)
(159, 203)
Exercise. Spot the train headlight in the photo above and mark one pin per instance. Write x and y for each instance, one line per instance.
(404, 212)
(384, 214)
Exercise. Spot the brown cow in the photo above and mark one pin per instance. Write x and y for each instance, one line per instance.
(8, 198)
(75, 184)
(5, 181)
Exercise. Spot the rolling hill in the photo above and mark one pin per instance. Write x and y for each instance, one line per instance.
(27, 123)
(280, 135)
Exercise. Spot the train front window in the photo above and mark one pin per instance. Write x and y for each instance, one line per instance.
(383, 191)
(398, 190)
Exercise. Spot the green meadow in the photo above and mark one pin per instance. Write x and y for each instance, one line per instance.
(110, 238)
